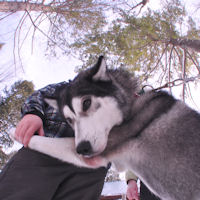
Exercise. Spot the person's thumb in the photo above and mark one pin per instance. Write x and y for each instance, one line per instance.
(41, 131)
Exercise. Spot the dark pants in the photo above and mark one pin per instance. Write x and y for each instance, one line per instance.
(145, 194)
(30, 175)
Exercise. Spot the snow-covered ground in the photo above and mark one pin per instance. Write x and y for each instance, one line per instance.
(114, 188)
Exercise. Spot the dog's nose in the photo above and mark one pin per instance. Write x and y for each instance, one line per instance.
(84, 148)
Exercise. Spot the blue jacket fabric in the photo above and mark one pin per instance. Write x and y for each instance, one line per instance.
(54, 125)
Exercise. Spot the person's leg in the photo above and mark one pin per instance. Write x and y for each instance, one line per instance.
(84, 184)
(35, 176)
(146, 194)
(30, 175)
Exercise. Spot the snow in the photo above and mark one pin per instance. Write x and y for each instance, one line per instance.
(114, 188)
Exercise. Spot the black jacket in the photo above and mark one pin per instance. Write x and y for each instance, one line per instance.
(54, 125)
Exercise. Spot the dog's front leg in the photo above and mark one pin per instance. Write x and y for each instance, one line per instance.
(60, 148)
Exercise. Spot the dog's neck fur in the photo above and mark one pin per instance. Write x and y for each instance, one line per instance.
(144, 110)
(126, 96)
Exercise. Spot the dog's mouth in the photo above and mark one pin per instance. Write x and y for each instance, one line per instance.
(95, 161)
(92, 155)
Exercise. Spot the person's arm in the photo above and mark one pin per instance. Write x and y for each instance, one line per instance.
(33, 115)
(132, 189)
(35, 103)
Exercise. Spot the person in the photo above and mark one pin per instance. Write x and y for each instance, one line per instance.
(132, 189)
(34, 176)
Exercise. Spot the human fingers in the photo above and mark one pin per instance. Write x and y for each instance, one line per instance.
(132, 191)
(132, 195)
(30, 132)
(41, 131)
(129, 196)
(30, 123)
(27, 136)
(20, 131)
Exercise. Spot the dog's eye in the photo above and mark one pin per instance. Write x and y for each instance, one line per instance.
(69, 120)
(86, 104)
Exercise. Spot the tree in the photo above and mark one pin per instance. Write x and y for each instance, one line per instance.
(61, 22)
(58, 21)
(112, 175)
(3, 158)
(150, 44)
(10, 107)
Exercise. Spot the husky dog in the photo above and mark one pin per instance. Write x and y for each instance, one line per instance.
(154, 135)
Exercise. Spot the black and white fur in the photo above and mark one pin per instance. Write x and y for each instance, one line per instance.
(154, 135)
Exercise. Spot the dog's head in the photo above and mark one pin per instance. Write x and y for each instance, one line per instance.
(91, 105)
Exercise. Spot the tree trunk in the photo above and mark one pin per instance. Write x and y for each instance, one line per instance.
(9, 6)
(22, 6)
(186, 43)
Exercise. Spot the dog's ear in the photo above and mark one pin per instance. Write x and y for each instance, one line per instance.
(101, 70)
(52, 102)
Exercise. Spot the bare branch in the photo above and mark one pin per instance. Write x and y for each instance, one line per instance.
(43, 32)
(15, 38)
(161, 56)
(39, 17)
(18, 45)
(195, 63)
(180, 61)
(184, 73)
(6, 15)
(169, 69)
(142, 4)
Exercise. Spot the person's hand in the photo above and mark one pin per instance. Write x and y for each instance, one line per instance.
(26, 128)
(132, 190)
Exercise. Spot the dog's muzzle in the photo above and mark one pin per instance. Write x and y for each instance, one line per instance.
(84, 148)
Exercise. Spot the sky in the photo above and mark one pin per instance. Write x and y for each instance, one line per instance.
(38, 68)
